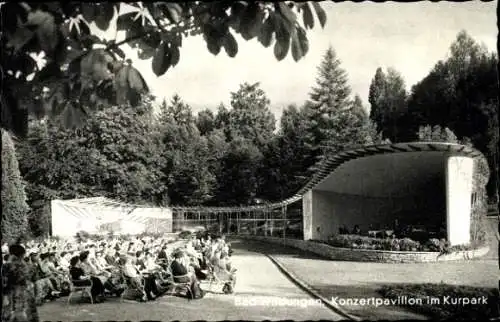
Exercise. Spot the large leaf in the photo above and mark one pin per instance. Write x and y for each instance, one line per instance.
(320, 12)
(125, 21)
(230, 45)
(121, 85)
(106, 13)
(175, 55)
(96, 65)
(136, 81)
(213, 39)
(46, 29)
(282, 44)
(20, 38)
(146, 52)
(287, 12)
(297, 52)
(307, 16)
(236, 13)
(266, 32)
(174, 12)
(89, 11)
(137, 86)
(251, 21)
(162, 59)
(303, 41)
(148, 44)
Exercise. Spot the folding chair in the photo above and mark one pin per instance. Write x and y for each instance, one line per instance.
(176, 286)
(84, 289)
(130, 286)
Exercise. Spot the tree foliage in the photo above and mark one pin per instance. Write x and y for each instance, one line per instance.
(250, 116)
(113, 154)
(289, 156)
(336, 121)
(239, 178)
(387, 97)
(14, 206)
(205, 121)
(80, 76)
(461, 93)
(331, 91)
(436, 134)
(186, 155)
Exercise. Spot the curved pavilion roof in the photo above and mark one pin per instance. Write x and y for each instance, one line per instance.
(328, 167)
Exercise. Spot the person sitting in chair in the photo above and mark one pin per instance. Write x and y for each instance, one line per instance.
(183, 272)
(80, 279)
(224, 268)
(181, 268)
(138, 280)
(103, 276)
(49, 270)
(162, 254)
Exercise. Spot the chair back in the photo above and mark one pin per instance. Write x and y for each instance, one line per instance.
(74, 287)
(175, 279)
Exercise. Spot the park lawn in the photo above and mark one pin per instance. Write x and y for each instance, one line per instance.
(445, 294)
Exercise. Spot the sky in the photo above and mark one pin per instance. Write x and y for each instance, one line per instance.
(410, 37)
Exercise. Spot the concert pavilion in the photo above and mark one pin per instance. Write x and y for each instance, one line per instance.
(372, 187)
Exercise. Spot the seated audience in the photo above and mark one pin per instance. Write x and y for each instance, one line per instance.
(181, 268)
(49, 270)
(223, 268)
(103, 276)
(79, 278)
(146, 284)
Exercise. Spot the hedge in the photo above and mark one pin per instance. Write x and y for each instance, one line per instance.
(14, 206)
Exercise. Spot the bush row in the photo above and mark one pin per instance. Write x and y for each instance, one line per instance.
(396, 244)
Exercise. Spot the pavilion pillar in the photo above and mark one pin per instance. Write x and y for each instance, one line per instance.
(265, 226)
(459, 176)
(238, 222)
(283, 209)
(307, 215)
(254, 224)
(271, 222)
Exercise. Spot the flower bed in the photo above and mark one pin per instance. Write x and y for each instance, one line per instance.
(358, 254)
(396, 244)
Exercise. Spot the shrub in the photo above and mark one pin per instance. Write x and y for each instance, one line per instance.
(364, 242)
(433, 245)
(14, 206)
(407, 244)
(395, 244)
